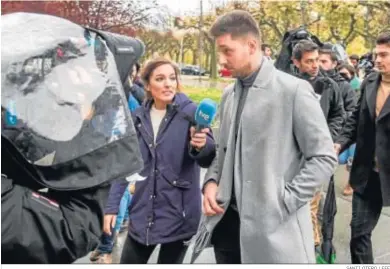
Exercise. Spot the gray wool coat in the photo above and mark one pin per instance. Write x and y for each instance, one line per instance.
(284, 154)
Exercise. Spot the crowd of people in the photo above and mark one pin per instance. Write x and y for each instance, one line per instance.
(281, 137)
(250, 194)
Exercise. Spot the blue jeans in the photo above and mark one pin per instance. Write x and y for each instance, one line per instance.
(106, 241)
(347, 154)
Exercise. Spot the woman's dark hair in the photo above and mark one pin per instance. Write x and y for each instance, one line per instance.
(349, 67)
(149, 68)
(137, 67)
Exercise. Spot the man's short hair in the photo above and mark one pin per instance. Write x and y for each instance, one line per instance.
(237, 23)
(264, 46)
(331, 53)
(383, 38)
(354, 57)
(303, 46)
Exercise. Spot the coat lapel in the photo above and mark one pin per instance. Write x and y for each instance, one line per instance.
(371, 93)
(264, 78)
(385, 110)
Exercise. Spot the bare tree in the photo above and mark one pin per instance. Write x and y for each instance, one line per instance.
(109, 14)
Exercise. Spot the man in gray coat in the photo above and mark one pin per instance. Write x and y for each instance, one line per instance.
(274, 151)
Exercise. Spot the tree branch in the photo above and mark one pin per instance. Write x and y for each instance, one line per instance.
(351, 28)
(316, 20)
(97, 18)
(371, 4)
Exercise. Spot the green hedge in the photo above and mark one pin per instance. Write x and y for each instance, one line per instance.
(198, 94)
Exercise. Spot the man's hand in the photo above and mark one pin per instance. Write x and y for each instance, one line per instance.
(210, 205)
(337, 148)
(198, 140)
(109, 223)
(132, 187)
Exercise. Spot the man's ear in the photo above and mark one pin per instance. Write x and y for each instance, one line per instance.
(253, 45)
(296, 63)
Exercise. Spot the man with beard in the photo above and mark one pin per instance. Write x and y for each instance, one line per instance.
(273, 154)
(306, 58)
(328, 63)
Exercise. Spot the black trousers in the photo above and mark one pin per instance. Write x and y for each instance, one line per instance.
(226, 238)
(366, 210)
(136, 253)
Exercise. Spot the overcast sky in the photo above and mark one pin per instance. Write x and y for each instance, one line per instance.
(183, 7)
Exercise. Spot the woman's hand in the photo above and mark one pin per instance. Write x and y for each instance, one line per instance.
(198, 140)
(109, 223)
(132, 187)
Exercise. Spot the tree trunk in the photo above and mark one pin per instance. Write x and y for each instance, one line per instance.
(171, 55)
(214, 71)
(177, 57)
(183, 56)
(194, 58)
(207, 63)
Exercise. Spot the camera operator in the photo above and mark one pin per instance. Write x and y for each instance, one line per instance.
(59, 83)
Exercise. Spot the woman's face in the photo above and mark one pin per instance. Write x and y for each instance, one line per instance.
(163, 84)
(345, 73)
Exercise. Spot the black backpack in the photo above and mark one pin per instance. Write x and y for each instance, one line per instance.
(290, 39)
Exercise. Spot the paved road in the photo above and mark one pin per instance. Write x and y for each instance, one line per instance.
(381, 235)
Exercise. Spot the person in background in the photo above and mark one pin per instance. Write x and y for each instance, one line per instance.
(103, 254)
(136, 75)
(166, 206)
(349, 73)
(328, 63)
(354, 59)
(369, 128)
(133, 87)
(346, 157)
(267, 51)
(306, 59)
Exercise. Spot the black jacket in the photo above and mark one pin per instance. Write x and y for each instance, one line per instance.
(331, 102)
(136, 90)
(64, 223)
(348, 94)
(372, 135)
(51, 227)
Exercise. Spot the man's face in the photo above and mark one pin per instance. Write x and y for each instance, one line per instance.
(235, 53)
(326, 62)
(268, 52)
(354, 62)
(309, 63)
(382, 58)
(134, 73)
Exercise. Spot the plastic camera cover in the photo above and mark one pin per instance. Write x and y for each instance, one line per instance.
(62, 101)
(340, 52)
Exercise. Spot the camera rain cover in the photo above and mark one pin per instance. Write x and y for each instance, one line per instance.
(63, 105)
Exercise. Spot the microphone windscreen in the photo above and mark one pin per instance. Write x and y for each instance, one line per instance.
(205, 112)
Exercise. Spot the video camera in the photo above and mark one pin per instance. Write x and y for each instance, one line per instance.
(366, 63)
(63, 105)
(66, 134)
